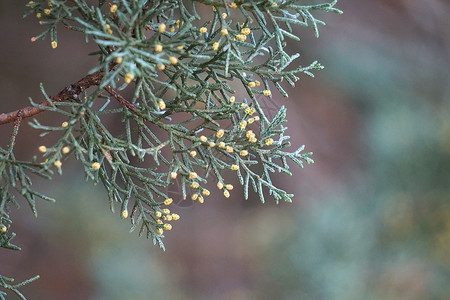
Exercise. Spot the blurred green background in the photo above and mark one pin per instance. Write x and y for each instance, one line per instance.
(370, 220)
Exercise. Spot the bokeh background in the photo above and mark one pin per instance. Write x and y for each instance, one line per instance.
(370, 220)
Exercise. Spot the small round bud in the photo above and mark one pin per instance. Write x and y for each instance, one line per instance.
(215, 46)
(3, 228)
(173, 60)
(180, 47)
(192, 175)
(113, 8)
(233, 5)
(232, 99)
(168, 201)
(194, 197)
(159, 222)
(173, 175)
(229, 187)
(65, 150)
(166, 211)
(54, 44)
(203, 30)
(226, 193)
(251, 120)
(158, 48)
(159, 231)
(95, 165)
(257, 83)
(64, 124)
(220, 185)
(229, 149)
(224, 31)
(161, 66)
(33, 39)
(161, 105)
(47, 11)
(167, 226)
(42, 149)
(267, 93)
(158, 214)
(195, 185)
(193, 153)
(252, 84)
(162, 28)
(175, 217)
(241, 37)
(206, 192)
(212, 144)
(124, 213)
(168, 218)
(243, 153)
(221, 145)
(57, 163)
(201, 199)
(203, 139)
(243, 124)
(220, 133)
(234, 167)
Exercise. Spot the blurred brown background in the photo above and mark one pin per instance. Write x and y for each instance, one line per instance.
(370, 220)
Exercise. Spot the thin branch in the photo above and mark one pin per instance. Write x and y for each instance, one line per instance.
(69, 92)
(124, 102)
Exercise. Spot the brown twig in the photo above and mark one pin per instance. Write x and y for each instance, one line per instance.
(69, 92)
(124, 102)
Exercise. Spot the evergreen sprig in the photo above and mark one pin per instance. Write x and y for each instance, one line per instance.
(186, 118)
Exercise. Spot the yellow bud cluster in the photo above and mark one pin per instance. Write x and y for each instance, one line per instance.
(229, 187)
(243, 153)
(166, 211)
(193, 153)
(222, 145)
(224, 16)
(95, 166)
(65, 150)
(162, 28)
(249, 110)
(108, 29)
(229, 149)
(220, 185)
(203, 139)
(245, 31)
(128, 78)
(158, 214)
(241, 37)
(168, 201)
(233, 5)
(267, 93)
(215, 46)
(42, 149)
(160, 231)
(203, 30)
(226, 193)
(57, 163)
(268, 141)
(212, 144)
(175, 217)
(206, 192)
(201, 199)
(193, 175)
(47, 11)
(113, 8)
(252, 84)
(173, 175)
(243, 124)
(234, 167)
(224, 31)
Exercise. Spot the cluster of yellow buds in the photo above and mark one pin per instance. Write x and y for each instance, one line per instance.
(226, 188)
(249, 110)
(253, 84)
(251, 136)
(108, 29)
(165, 215)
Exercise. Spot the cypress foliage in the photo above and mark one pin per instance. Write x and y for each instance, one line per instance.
(171, 74)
